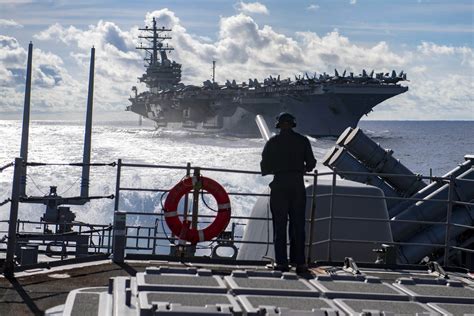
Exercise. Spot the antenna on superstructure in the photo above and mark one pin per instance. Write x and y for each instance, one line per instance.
(161, 72)
(156, 40)
(213, 71)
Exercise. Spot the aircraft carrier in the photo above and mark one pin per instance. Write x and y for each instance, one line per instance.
(325, 105)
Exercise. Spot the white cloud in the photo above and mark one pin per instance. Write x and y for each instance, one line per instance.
(353, 1)
(418, 69)
(53, 87)
(9, 23)
(441, 76)
(313, 7)
(434, 50)
(252, 7)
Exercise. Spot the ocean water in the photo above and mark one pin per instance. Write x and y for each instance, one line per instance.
(439, 145)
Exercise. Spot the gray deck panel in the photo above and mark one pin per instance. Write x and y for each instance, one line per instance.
(453, 309)
(163, 303)
(439, 293)
(180, 283)
(255, 304)
(357, 288)
(286, 285)
(377, 307)
(85, 304)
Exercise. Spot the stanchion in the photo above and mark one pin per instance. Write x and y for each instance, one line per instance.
(9, 265)
(313, 214)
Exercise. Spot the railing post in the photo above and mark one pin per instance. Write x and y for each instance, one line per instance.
(9, 265)
(180, 250)
(186, 197)
(331, 208)
(194, 221)
(313, 213)
(120, 219)
(120, 239)
(195, 213)
(448, 219)
(117, 185)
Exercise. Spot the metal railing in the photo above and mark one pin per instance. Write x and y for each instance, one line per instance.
(450, 202)
(148, 239)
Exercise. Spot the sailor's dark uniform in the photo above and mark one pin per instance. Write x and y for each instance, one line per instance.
(287, 156)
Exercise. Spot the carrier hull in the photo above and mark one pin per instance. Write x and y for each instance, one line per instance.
(323, 111)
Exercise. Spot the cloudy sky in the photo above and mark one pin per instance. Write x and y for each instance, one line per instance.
(431, 40)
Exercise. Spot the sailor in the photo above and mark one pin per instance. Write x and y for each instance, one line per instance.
(288, 156)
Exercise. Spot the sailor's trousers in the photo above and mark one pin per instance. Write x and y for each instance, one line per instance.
(288, 200)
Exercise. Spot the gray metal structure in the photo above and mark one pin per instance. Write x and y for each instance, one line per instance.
(256, 292)
(416, 220)
(324, 105)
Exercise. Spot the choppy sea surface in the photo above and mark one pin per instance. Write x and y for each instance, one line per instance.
(420, 145)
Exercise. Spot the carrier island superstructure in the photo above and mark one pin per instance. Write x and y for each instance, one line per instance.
(325, 105)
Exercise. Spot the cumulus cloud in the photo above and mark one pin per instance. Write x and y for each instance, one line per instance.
(252, 7)
(433, 50)
(312, 7)
(352, 1)
(9, 23)
(118, 64)
(53, 86)
(243, 49)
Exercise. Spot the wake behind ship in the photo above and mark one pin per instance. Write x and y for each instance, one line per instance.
(324, 105)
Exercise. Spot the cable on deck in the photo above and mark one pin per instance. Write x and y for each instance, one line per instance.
(6, 166)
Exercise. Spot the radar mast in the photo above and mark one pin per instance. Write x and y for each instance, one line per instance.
(161, 72)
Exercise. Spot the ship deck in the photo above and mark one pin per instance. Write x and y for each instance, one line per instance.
(35, 291)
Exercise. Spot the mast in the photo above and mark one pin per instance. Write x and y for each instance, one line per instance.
(86, 159)
(26, 119)
(155, 37)
(213, 71)
(161, 73)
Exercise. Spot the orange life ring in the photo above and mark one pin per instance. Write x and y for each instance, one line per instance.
(182, 229)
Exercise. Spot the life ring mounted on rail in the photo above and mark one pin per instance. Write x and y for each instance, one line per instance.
(182, 229)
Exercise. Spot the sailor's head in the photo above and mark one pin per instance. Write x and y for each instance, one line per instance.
(285, 121)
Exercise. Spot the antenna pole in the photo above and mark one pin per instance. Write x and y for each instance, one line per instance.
(26, 120)
(213, 71)
(88, 132)
(155, 44)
